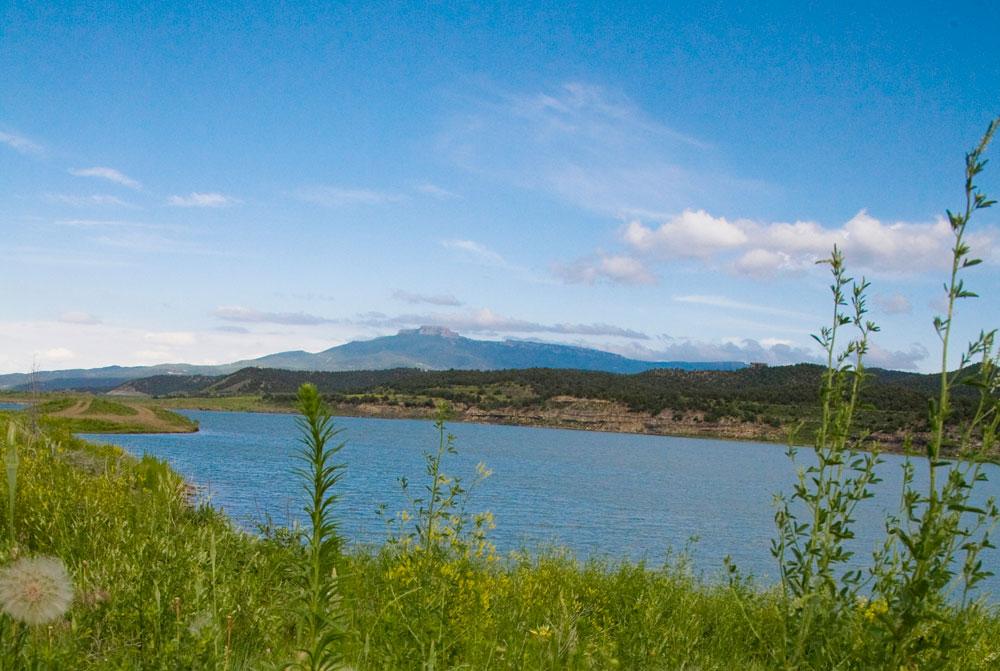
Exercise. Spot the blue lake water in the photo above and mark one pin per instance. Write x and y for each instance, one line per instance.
(6, 405)
(599, 494)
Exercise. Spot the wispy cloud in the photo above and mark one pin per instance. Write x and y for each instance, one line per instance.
(338, 196)
(97, 224)
(435, 191)
(53, 256)
(21, 144)
(429, 299)
(588, 146)
(240, 314)
(108, 174)
(92, 200)
(477, 252)
(198, 199)
(483, 321)
(730, 304)
(893, 304)
(612, 268)
(152, 241)
(486, 321)
(79, 317)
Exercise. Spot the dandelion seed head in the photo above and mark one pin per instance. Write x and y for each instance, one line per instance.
(35, 590)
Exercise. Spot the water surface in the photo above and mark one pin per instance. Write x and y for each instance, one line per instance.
(599, 494)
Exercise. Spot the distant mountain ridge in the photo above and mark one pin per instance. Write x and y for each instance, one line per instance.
(426, 348)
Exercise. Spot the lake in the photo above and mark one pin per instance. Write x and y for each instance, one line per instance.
(599, 494)
(9, 405)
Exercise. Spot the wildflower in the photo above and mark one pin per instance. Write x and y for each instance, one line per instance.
(35, 590)
(544, 632)
(876, 609)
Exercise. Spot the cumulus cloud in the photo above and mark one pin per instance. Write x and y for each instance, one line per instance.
(613, 268)
(236, 313)
(109, 174)
(197, 199)
(763, 249)
(908, 359)
(429, 299)
(338, 196)
(772, 351)
(691, 233)
(79, 317)
(893, 304)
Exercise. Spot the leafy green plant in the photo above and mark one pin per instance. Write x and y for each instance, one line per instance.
(815, 525)
(320, 604)
(932, 554)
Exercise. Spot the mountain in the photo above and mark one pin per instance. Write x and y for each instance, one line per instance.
(426, 348)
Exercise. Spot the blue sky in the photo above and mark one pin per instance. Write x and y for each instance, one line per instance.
(210, 183)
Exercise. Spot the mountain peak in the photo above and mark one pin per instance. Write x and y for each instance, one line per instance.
(442, 331)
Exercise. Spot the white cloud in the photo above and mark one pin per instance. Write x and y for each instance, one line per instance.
(107, 344)
(21, 144)
(197, 199)
(56, 354)
(693, 233)
(585, 145)
(488, 322)
(79, 317)
(429, 299)
(476, 251)
(109, 174)
(237, 313)
(766, 249)
(336, 196)
(435, 191)
(893, 304)
(97, 199)
(772, 351)
(171, 338)
(613, 268)
(730, 304)
(153, 242)
(908, 359)
(765, 263)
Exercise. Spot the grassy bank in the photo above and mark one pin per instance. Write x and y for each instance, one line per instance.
(86, 413)
(160, 583)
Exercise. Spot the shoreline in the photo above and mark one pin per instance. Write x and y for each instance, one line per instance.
(630, 423)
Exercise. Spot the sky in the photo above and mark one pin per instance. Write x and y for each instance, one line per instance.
(209, 182)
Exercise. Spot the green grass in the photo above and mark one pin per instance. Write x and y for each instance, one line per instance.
(164, 584)
(102, 406)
